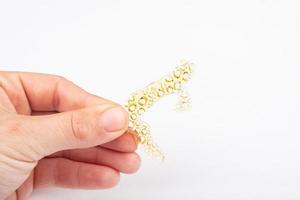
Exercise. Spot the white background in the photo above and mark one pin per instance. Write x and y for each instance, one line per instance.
(241, 138)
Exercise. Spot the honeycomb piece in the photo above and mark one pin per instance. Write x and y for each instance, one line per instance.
(140, 101)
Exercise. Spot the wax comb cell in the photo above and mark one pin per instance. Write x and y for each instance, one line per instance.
(141, 100)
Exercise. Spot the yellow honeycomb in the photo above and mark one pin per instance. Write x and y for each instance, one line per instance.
(140, 101)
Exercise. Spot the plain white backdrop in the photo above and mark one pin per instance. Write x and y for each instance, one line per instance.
(240, 140)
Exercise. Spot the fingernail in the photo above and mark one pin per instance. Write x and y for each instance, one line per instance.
(113, 119)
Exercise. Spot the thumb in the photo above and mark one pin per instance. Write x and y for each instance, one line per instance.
(81, 128)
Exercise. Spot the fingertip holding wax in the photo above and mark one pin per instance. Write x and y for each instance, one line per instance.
(141, 100)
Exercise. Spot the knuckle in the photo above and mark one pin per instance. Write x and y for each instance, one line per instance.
(79, 128)
(59, 78)
(61, 81)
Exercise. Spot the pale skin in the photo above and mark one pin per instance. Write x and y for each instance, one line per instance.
(55, 134)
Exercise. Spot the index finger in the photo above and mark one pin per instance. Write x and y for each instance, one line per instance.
(46, 92)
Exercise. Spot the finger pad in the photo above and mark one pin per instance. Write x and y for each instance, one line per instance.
(97, 177)
(125, 143)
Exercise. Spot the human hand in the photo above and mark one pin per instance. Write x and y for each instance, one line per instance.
(53, 133)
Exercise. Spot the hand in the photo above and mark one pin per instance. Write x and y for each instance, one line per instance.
(53, 133)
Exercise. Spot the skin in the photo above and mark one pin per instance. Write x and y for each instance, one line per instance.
(55, 134)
